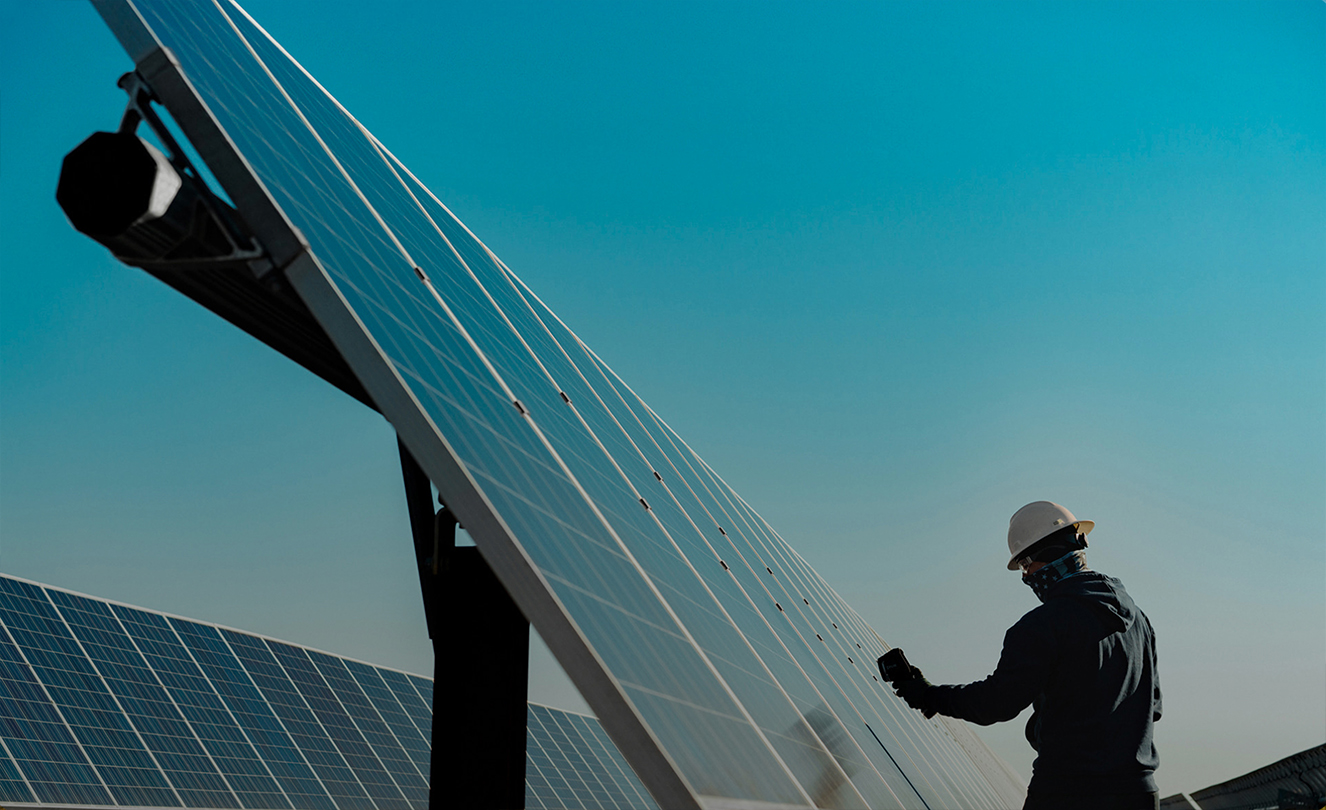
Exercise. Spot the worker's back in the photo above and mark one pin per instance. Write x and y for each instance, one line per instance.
(1094, 717)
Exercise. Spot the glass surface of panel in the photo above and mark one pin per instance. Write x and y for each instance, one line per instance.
(755, 678)
(569, 766)
(299, 721)
(36, 735)
(417, 705)
(709, 733)
(144, 702)
(384, 701)
(340, 726)
(260, 724)
(211, 721)
(12, 786)
(84, 703)
(371, 726)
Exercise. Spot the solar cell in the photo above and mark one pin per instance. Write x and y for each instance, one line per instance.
(726, 670)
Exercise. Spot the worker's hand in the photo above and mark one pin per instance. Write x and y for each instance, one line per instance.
(918, 693)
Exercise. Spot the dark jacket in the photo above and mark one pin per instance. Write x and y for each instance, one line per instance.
(1087, 659)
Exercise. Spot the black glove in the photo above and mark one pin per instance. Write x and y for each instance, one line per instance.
(918, 693)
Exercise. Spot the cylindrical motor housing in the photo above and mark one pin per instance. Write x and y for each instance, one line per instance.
(122, 191)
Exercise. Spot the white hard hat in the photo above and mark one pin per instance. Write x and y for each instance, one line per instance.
(1036, 521)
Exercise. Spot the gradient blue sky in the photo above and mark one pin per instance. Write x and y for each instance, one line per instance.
(894, 269)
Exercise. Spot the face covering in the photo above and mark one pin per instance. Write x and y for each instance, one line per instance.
(1071, 564)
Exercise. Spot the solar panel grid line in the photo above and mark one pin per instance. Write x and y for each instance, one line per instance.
(172, 626)
(563, 754)
(597, 781)
(345, 738)
(737, 506)
(255, 717)
(977, 780)
(408, 739)
(551, 734)
(137, 733)
(349, 179)
(71, 606)
(527, 585)
(1001, 782)
(162, 730)
(312, 130)
(546, 442)
(432, 430)
(672, 495)
(471, 273)
(18, 772)
(775, 553)
(409, 698)
(612, 778)
(730, 538)
(833, 602)
(161, 69)
(690, 521)
(637, 798)
(340, 796)
(741, 556)
(157, 675)
(635, 493)
(73, 738)
(603, 793)
(363, 721)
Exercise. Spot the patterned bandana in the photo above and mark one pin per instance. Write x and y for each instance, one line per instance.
(1071, 564)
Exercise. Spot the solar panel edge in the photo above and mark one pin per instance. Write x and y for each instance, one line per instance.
(264, 216)
(168, 615)
(505, 555)
(46, 806)
(256, 207)
(532, 594)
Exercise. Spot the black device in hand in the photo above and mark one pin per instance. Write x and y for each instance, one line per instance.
(895, 668)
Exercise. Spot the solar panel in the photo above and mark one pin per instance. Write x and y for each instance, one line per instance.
(725, 669)
(570, 764)
(104, 704)
(134, 672)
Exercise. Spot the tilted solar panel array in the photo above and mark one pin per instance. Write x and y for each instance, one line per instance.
(726, 670)
(103, 704)
(109, 705)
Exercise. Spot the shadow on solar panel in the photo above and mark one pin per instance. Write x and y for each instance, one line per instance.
(727, 672)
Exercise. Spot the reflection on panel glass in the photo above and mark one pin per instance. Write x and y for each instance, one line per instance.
(753, 680)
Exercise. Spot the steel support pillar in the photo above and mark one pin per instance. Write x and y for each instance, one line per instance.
(480, 663)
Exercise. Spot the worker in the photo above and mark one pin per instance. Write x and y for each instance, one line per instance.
(1085, 659)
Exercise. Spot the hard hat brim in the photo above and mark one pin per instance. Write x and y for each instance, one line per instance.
(1083, 527)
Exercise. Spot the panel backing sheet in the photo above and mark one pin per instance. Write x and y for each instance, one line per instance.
(726, 670)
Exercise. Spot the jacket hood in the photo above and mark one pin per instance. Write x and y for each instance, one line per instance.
(1103, 594)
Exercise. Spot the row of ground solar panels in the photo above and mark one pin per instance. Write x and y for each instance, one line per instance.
(104, 704)
(1298, 781)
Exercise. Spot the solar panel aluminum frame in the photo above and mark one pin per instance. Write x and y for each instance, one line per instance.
(291, 254)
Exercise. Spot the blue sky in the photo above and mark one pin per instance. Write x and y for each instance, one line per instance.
(893, 269)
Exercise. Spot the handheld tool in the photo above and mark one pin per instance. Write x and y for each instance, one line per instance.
(895, 669)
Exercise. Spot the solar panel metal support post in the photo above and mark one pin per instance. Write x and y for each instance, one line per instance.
(481, 663)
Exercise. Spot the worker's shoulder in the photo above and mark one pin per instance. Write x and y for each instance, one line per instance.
(1050, 616)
